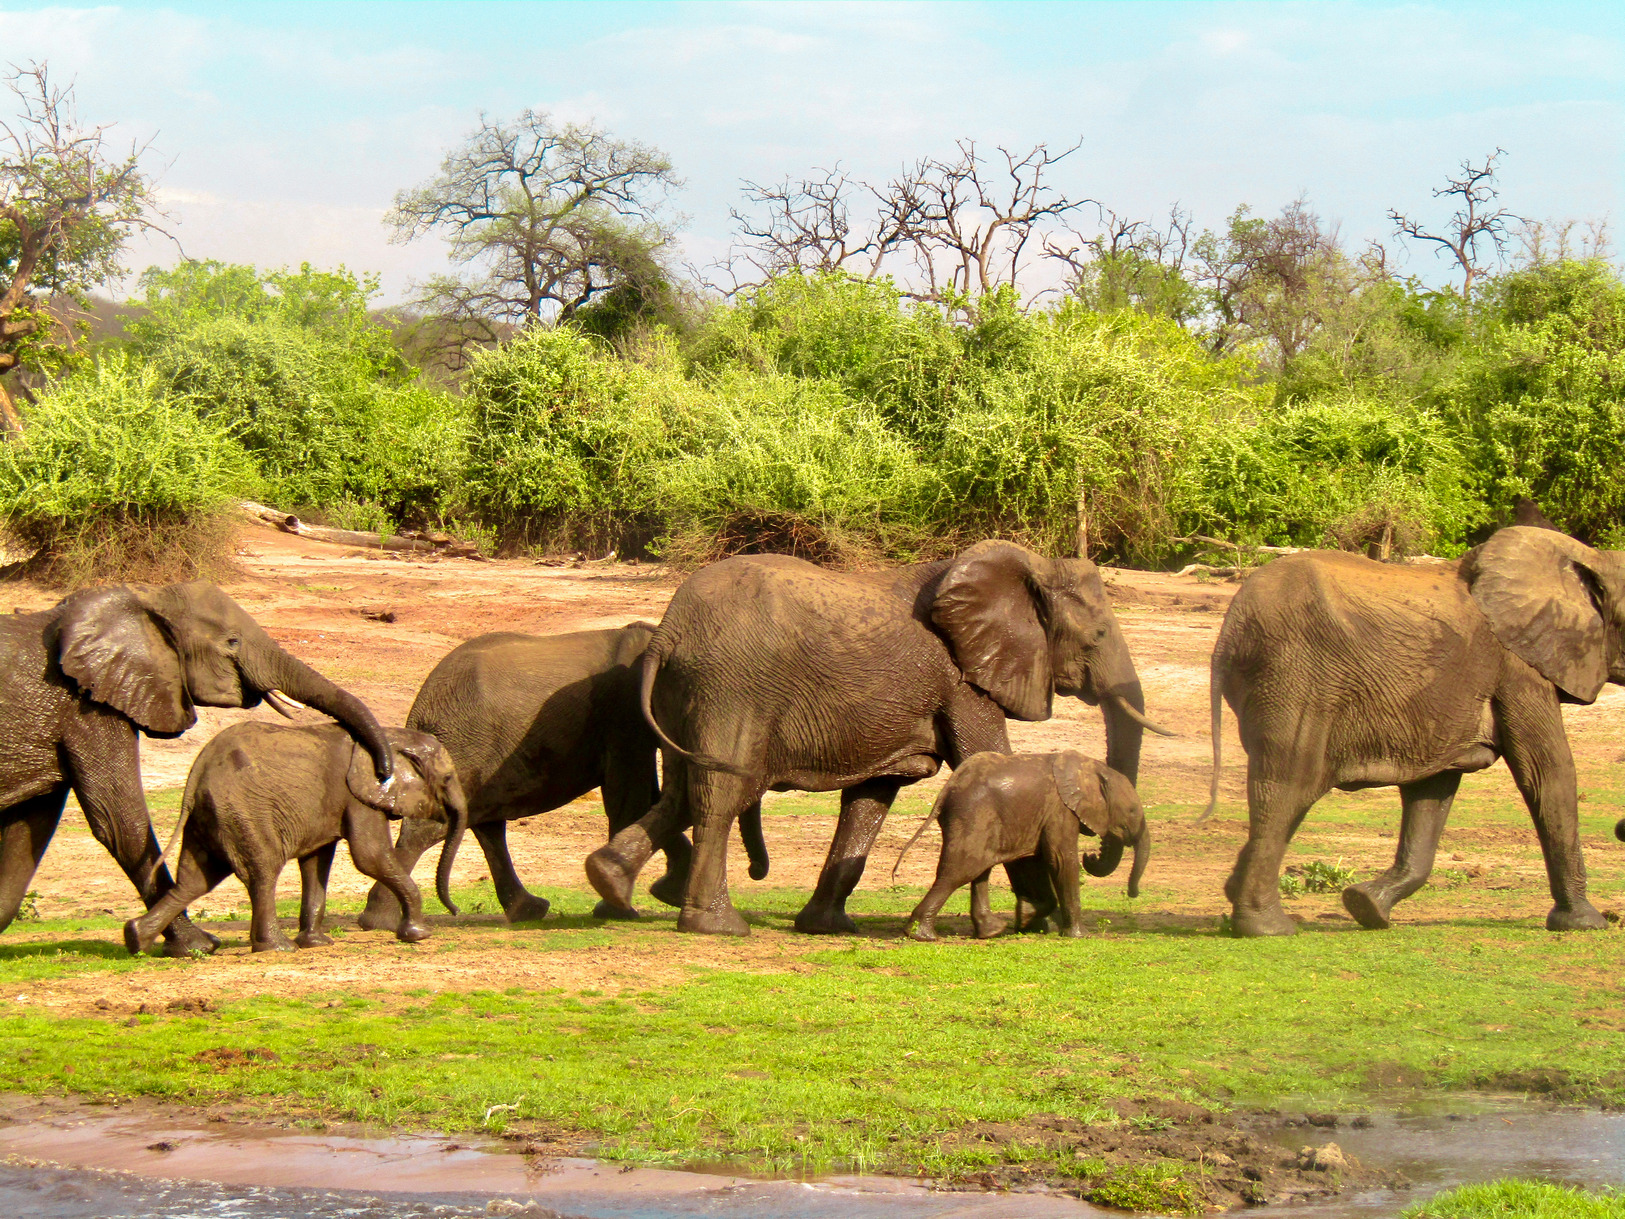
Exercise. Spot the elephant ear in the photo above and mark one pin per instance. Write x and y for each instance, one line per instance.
(1081, 786)
(988, 605)
(1540, 590)
(118, 653)
(406, 792)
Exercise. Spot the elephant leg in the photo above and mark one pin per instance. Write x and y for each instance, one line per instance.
(982, 919)
(1537, 754)
(922, 921)
(613, 868)
(367, 832)
(23, 840)
(717, 800)
(195, 875)
(109, 790)
(1060, 854)
(520, 905)
(313, 872)
(417, 835)
(1035, 895)
(863, 811)
(265, 933)
(630, 790)
(1275, 810)
(1427, 805)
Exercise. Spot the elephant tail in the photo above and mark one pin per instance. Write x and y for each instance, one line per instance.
(187, 800)
(936, 811)
(1216, 698)
(653, 657)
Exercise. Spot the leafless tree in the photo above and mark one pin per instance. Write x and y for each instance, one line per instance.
(1542, 242)
(546, 216)
(967, 221)
(1475, 221)
(806, 225)
(67, 204)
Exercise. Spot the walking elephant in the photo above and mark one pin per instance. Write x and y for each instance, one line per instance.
(1348, 673)
(80, 681)
(768, 673)
(532, 723)
(1027, 808)
(259, 795)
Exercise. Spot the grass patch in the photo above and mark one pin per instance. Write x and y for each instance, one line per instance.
(1520, 1199)
(871, 1054)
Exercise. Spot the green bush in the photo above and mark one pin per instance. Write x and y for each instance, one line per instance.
(117, 476)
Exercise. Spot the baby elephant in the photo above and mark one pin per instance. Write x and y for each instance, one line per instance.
(1027, 810)
(262, 794)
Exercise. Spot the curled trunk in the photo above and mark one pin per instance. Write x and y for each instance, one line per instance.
(457, 806)
(1112, 677)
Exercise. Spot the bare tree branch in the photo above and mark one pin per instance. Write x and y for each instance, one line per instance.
(1472, 223)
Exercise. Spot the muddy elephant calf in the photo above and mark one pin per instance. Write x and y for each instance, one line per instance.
(1027, 811)
(262, 794)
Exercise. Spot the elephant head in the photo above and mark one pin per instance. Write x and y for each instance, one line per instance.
(1105, 803)
(1556, 603)
(155, 655)
(427, 786)
(1024, 628)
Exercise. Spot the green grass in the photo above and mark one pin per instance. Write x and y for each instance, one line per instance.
(875, 1054)
(1517, 1199)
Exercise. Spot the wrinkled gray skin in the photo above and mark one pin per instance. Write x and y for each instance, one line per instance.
(1348, 673)
(768, 673)
(259, 795)
(80, 681)
(1000, 808)
(532, 723)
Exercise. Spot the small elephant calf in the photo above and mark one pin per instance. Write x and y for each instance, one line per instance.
(262, 794)
(1027, 811)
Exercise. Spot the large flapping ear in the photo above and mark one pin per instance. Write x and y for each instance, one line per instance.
(1123, 808)
(1079, 783)
(112, 646)
(1541, 591)
(990, 607)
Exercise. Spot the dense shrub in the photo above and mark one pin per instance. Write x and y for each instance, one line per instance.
(117, 477)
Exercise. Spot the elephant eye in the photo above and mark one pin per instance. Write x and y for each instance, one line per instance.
(233, 643)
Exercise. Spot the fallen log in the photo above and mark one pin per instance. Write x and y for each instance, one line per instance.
(289, 523)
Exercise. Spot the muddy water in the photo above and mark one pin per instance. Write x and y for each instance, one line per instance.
(66, 1161)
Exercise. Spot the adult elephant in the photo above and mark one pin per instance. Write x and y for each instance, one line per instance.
(79, 682)
(768, 673)
(1349, 673)
(533, 722)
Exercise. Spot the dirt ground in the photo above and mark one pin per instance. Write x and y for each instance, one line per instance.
(377, 623)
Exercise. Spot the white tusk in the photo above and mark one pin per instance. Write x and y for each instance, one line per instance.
(1129, 710)
(282, 704)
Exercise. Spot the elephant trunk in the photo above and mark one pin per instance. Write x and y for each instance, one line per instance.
(267, 667)
(1116, 683)
(1111, 854)
(458, 808)
(1142, 856)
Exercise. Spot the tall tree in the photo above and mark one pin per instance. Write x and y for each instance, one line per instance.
(68, 201)
(544, 216)
(1475, 228)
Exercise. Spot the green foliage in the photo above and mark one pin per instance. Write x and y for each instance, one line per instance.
(1163, 1187)
(1316, 876)
(1517, 1198)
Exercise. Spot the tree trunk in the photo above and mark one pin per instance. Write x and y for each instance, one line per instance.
(11, 423)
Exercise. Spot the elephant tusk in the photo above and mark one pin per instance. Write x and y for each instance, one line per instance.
(282, 704)
(1128, 709)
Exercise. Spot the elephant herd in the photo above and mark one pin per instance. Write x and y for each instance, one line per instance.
(767, 673)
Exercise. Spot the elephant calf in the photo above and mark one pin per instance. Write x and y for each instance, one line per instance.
(262, 794)
(1027, 809)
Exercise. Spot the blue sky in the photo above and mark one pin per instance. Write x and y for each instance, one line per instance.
(282, 131)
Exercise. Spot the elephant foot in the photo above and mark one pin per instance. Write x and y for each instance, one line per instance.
(726, 921)
(1071, 931)
(313, 939)
(132, 937)
(923, 931)
(528, 908)
(1581, 917)
(1272, 920)
(187, 942)
(825, 920)
(382, 913)
(989, 929)
(1366, 908)
(605, 910)
(280, 944)
(411, 931)
(608, 875)
(669, 889)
